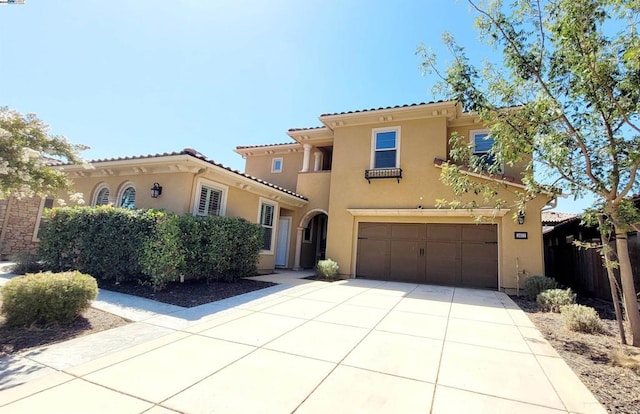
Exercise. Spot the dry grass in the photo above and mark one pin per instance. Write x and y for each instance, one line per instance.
(630, 360)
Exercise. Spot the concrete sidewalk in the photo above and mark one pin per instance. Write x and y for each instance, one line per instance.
(311, 347)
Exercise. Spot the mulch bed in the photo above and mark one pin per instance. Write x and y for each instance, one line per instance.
(187, 294)
(589, 356)
(321, 279)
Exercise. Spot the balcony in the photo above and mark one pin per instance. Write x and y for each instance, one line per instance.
(377, 173)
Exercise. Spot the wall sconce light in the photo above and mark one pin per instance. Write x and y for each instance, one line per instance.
(156, 190)
(521, 217)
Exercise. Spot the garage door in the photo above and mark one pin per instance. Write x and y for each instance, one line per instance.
(447, 254)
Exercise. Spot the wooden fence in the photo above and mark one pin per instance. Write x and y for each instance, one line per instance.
(583, 271)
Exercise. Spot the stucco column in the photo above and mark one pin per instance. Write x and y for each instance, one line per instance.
(296, 263)
(316, 161)
(306, 159)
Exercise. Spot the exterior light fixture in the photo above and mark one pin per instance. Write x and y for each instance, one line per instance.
(156, 190)
(521, 217)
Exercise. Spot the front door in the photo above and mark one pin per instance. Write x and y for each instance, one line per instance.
(282, 246)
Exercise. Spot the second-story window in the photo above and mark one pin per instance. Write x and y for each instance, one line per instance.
(385, 148)
(276, 165)
(482, 143)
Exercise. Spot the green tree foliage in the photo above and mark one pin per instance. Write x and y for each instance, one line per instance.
(26, 150)
(564, 97)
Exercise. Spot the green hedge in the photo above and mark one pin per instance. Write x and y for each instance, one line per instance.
(43, 298)
(151, 245)
(103, 241)
(219, 248)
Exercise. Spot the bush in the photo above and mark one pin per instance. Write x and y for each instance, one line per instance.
(551, 300)
(535, 285)
(581, 318)
(219, 248)
(102, 241)
(327, 269)
(26, 262)
(152, 246)
(162, 256)
(44, 298)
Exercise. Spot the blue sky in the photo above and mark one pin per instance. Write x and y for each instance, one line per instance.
(140, 77)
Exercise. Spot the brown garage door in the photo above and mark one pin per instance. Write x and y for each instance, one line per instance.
(448, 254)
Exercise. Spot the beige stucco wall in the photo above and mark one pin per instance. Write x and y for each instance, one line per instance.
(420, 142)
(260, 166)
(175, 197)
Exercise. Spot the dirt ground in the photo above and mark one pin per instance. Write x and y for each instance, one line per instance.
(590, 356)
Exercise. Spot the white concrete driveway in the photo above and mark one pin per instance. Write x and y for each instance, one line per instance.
(356, 346)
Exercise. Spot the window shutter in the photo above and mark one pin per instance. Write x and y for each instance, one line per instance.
(267, 215)
(128, 198)
(103, 197)
(210, 202)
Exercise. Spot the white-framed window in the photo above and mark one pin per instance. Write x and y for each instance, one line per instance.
(44, 204)
(101, 195)
(307, 235)
(276, 165)
(267, 218)
(482, 143)
(385, 148)
(127, 196)
(211, 199)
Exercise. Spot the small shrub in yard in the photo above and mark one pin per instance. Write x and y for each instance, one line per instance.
(581, 318)
(535, 285)
(43, 298)
(327, 269)
(26, 263)
(621, 359)
(552, 300)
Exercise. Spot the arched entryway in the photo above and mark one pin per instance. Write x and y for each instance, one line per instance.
(311, 239)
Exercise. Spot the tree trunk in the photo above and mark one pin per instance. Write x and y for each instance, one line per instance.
(612, 281)
(628, 289)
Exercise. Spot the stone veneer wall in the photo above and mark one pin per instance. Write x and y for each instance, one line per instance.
(18, 219)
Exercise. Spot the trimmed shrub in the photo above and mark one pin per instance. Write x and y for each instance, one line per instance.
(551, 300)
(581, 318)
(535, 285)
(162, 257)
(102, 241)
(44, 298)
(26, 262)
(327, 269)
(151, 246)
(219, 248)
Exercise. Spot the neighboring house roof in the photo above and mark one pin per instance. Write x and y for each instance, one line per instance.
(555, 217)
(195, 154)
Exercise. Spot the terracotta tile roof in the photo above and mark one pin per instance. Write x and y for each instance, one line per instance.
(500, 177)
(193, 153)
(306, 129)
(265, 145)
(554, 217)
(382, 108)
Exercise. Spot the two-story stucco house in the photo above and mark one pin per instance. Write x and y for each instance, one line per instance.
(372, 181)
(360, 189)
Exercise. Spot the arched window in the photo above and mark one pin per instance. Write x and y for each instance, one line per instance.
(128, 197)
(102, 196)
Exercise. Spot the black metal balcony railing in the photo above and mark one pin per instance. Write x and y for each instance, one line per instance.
(376, 173)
